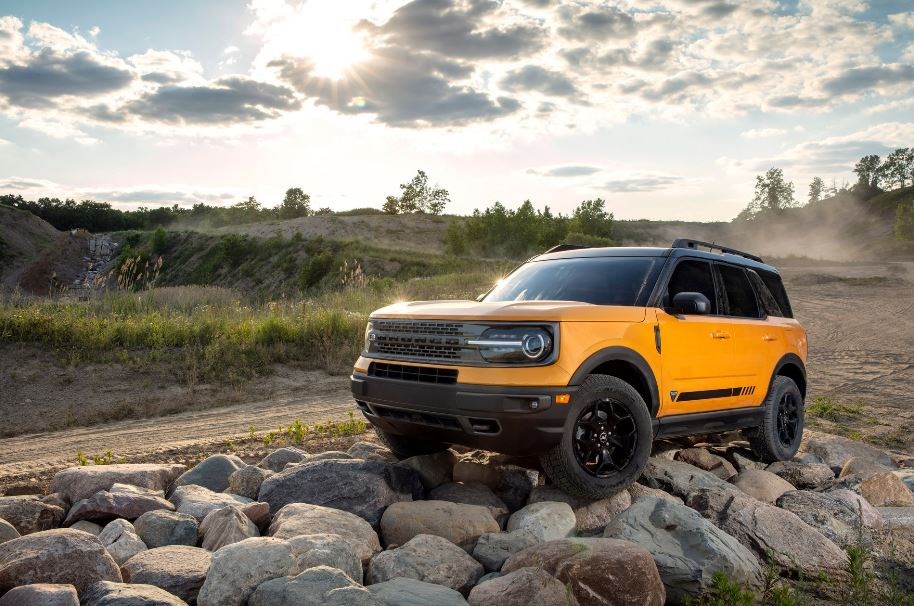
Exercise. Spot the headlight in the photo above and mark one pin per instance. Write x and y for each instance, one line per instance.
(368, 336)
(514, 344)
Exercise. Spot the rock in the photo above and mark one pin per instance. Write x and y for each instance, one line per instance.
(591, 517)
(831, 516)
(121, 541)
(56, 498)
(458, 523)
(468, 472)
(106, 593)
(304, 519)
(678, 478)
(160, 528)
(369, 451)
(27, 514)
(178, 569)
(433, 469)
(523, 587)
(401, 591)
(835, 451)
(687, 548)
(702, 459)
(318, 586)
(885, 489)
(897, 517)
(8, 532)
(744, 459)
(546, 520)
(803, 475)
(119, 488)
(41, 594)
(511, 483)
(871, 517)
(104, 506)
(362, 487)
(640, 490)
(246, 481)
(257, 512)
(87, 526)
(277, 460)
(213, 472)
(330, 454)
(427, 558)
(472, 493)
(225, 526)
(762, 485)
(332, 550)
(79, 483)
(56, 556)
(596, 570)
(492, 549)
(861, 468)
(237, 570)
(771, 532)
(198, 501)
(906, 476)
(488, 577)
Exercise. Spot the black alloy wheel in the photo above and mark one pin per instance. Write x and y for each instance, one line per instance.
(788, 420)
(605, 438)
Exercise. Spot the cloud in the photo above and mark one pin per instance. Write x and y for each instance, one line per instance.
(569, 170)
(858, 79)
(762, 133)
(5, 142)
(598, 23)
(902, 20)
(536, 78)
(131, 196)
(640, 183)
(22, 184)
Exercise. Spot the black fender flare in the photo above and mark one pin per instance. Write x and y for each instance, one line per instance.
(623, 354)
(787, 359)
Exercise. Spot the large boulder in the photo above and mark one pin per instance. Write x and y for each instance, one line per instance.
(198, 501)
(522, 587)
(370, 451)
(434, 469)
(492, 549)
(106, 593)
(803, 475)
(121, 541)
(872, 519)
(332, 550)
(703, 459)
(835, 451)
(87, 526)
(640, 490)
(547, 520)
(8, 532)
(56, 556)
(178, 569)
(458, 523)
(688, 549)
(246, 481)
(762, 485)
(363, 487)
(591, 517)
(828, 514)
(213, 472)
(225, 526)
(678, 478)
(41, 594)
(78, 483)
(427, 558)
(303, 519)
(237, 569)
(28, 514)
(596, 570)
(277, 460)
(861, 469)
(160, 528)
(511, 483)
(318, 586)
(472, 493)
(120, 502)
(401, 591)
(885, 489)
(771, 532)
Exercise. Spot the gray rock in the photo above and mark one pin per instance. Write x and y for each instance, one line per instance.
(213, 472)
(433, 469)
(511, 483)
(885, 489)
(830, 515)
(703, 459)
(330, 454)
(79, 483)
(803, 475)
(363, 487)
(277, 460)
(871, 516)
(522, 587)
(87, 526)
(459, 523)
(906, 476)
(427, 558)
(178, 569)
(488, 577)
(8, 532)
(591, 516)
(835, 451)
(104, 506)
(897, 517)
(318, 586)
(744, 459)
(198, 501)
(106, 593)
(28, 514)
(56, 556)
(160, 528)
(331, 550)
(246, 481)
(546, 520)
(762, 485)
(121, 540)
(303, 519)
(369, 451)
(41, 594)
(640, 490)
(225, 526)
(472, 493)
(492, 549)
(861, 469)
(678, 478)
(257, 512)
(687, 548)
(401, 591)
(56, 498)
(238, 569)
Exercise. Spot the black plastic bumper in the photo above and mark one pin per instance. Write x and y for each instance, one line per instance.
(510, 420)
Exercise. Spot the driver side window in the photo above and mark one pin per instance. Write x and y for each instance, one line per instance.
(692, 276)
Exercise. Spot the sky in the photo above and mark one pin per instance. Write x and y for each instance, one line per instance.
(666, 109)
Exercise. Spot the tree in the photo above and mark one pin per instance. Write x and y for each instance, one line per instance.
(899, 166)
(159, 241)
(772, 194)
(816, 189)
(869, 171)
(296, 203)
(418, 196)
(391, 205)
(591, 219)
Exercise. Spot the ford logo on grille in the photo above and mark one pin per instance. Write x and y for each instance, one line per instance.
(372, 336)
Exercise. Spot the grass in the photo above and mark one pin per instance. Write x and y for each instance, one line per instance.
(832, 410)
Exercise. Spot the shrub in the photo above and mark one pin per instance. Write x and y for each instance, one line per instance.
(314, 270)
(159, 241)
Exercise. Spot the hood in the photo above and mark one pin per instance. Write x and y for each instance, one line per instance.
(524, 311)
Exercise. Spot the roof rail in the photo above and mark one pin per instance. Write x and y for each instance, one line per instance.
(694, 244)
(563, 247)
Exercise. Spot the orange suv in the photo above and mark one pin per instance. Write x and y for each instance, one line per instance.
(583, 356)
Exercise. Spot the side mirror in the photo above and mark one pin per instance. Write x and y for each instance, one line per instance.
(691, 304)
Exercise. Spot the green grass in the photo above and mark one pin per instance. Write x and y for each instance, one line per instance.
(832, 410)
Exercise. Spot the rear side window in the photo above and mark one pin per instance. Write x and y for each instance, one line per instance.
(738, 290)
(693, 276)
(770, 305)
(776, 288)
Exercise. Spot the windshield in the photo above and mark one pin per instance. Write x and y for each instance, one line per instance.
(596, 280)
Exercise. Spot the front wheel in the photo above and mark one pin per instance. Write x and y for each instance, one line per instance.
(606, 441)
(778, 437)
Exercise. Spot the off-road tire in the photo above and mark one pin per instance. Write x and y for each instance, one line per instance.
(766, 439)
(561, 464)
(404, 448)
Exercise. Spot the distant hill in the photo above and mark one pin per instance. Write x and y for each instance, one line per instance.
(23, 238)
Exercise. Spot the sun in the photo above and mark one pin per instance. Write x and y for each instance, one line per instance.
(327, 36)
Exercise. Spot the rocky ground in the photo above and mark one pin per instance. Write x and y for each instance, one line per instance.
(835, 525)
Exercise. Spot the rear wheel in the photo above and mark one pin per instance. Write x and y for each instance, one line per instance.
(606, 441)
(404, 447)
(778, 437)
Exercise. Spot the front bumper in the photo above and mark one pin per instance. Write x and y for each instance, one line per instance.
(507, 419)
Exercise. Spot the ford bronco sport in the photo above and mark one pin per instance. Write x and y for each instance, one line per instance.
(583, 356)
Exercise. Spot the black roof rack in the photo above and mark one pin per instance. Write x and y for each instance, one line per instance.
(694, 244)
(562, 247)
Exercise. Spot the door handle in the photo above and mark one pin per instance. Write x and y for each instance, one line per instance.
(769, 338)
(720, 335)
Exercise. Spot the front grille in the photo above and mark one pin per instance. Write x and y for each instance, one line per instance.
(418, 328)
(423, 418)
(424, 340)
(417, 374)
(418, 350)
